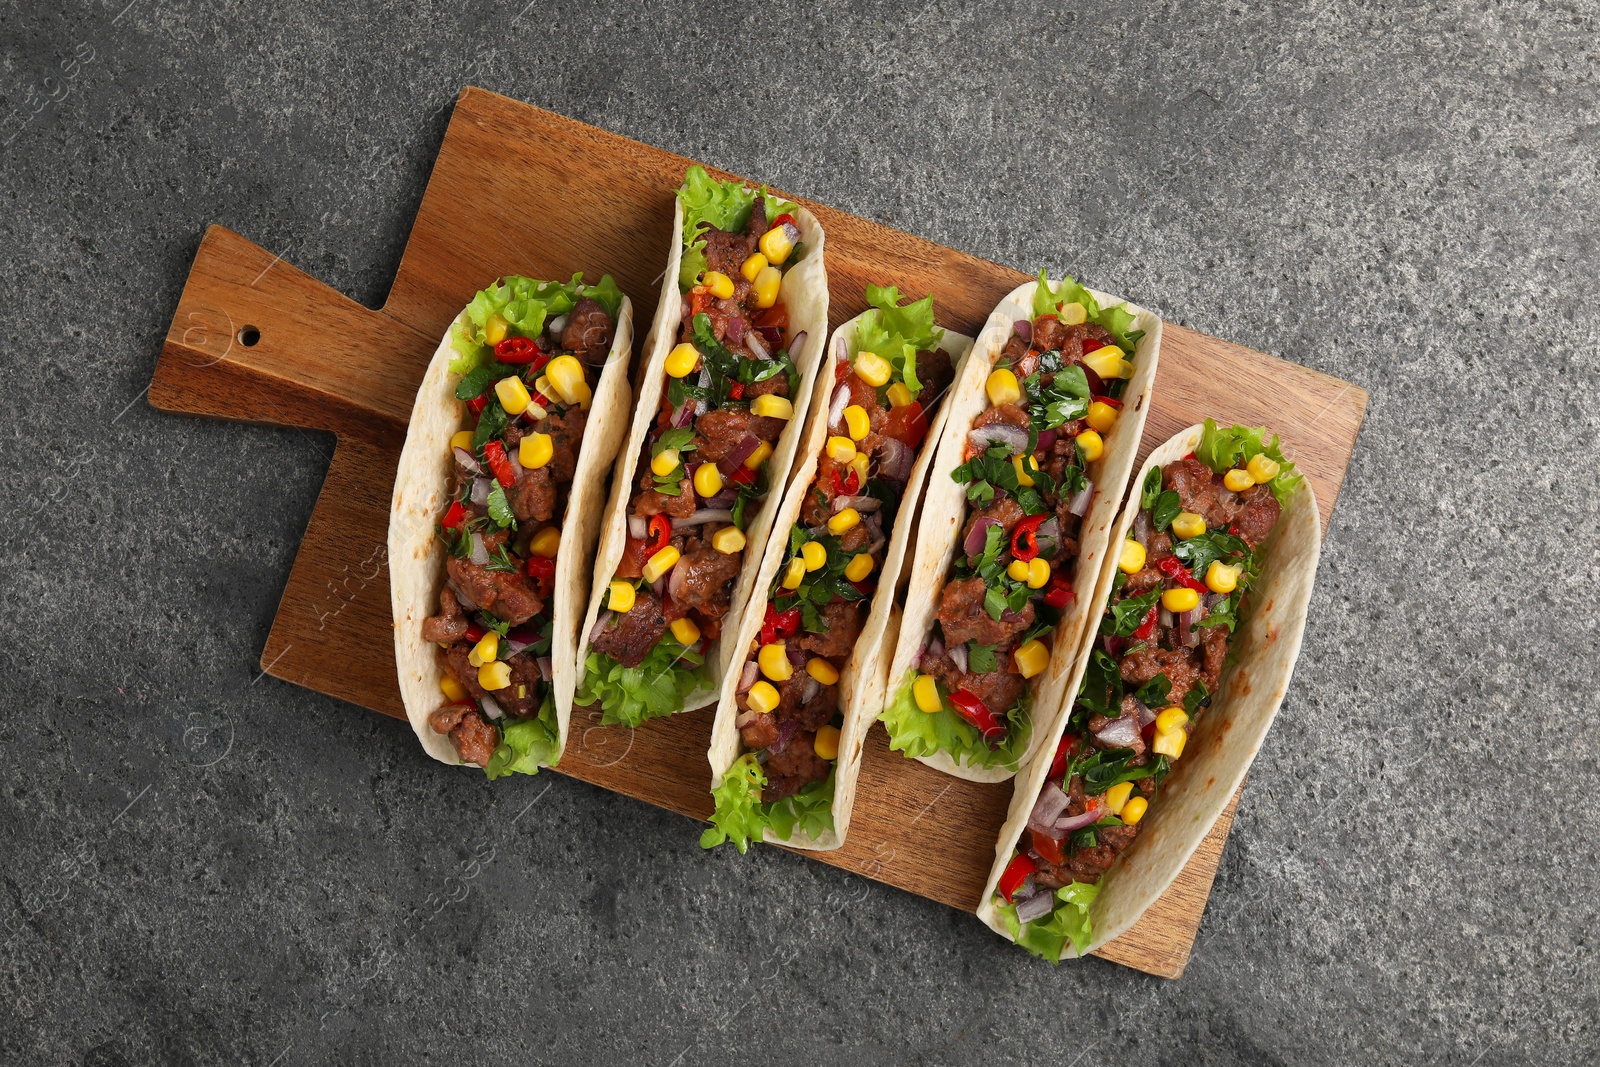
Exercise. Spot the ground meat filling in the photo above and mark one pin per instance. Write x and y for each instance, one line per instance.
(629, 637)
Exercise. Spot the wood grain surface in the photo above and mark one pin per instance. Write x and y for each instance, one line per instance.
(519, 190)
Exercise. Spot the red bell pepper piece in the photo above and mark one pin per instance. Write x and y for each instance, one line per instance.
(660, 528)
(1147, 627)
(1015, 874)
(736, 390)
(543, 573)
(477, 404)
(475, 632)
(743, 476)
(517, 350)
(1173, 568)
(494, 453)
(1060, 593)
(1025, 538)
(1091, 345)
(700, 299)
(778, 624)
(1058, 764)
(1048, 848)
(454, 516)
(848, 486)
(978, 715)
(864, 587)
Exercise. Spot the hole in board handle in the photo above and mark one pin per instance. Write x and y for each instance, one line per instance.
(249, 336)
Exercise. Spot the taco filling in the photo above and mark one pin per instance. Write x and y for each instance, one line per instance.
(887, 385)
(728, 394)
(1028, 472)
(526, 352)
(1181, 579)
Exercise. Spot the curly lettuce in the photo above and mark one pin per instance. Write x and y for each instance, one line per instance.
(525, 304)
(724, 205)
(741, 817)
(527, 744)
(1222, 450)
(1069, 920)
(660, 685)
(1117, 321)
(918, 733)
(898, 333)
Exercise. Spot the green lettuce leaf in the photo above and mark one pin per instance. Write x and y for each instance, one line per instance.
(525, 304)
(917, 733)
(658, 686)
(1118, 320)
(527, 744)
(897, 333)
(1222, 450)
(740, 816)
(725, 205)
(1069, 919)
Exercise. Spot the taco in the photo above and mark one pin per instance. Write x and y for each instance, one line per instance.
(495, 513)
(723, 395)
(794, 710)
(1204, 606)
(1043, 426)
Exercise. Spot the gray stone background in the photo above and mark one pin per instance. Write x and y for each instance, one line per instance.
(205, 866)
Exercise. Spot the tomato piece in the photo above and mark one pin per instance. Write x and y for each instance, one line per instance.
(631, 565)
(736, 390)
(543, 573)
(1015, 874)
(908, 424)
(775, 317)
(1060, 593)
(494, 453)
(1048, 848)
(700, 299)
(781, 219)
(744, 475)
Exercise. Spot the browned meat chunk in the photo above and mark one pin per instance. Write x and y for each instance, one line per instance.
(449, 625)
(1201, 491)
(726, 252)
(789, 696)
(650, 502)
(703, 579)
(962, 615)
(820, 709)
(566, 438)
(1179, 665)
(474, 738)
(588, 331)
(1214, 646)
(759, 733)
(1004, 414)
(630, 637)
(1004, 510)
(1257, 516)
(998, 689)
(777, 385)
(533, 497)
(818, 506)
(934, 374)
(507, 595)
(793, 767)
(718, 432)
(864, 396)
(1142, 581)
(841, 626)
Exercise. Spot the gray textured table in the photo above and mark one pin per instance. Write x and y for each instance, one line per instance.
(205, 866)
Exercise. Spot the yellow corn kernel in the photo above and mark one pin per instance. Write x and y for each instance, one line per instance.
(1170, 719)
(452, 688)
(1017, 570)
(859, 465)
(487, 648)
(899, 396)
(1238, 480)
(1073, 313)
(546, 543)
(660, 563)
(772, 406)
(1170, 743)
(752, 266)
(873, 369)
(566, 375)
(1038, 572)
(826, 746)
(774, 660)
(513, 395)
(462, 439)
(1101, 416)
(535, 410)
(1189, 524)
(775, 244)
(719, 284)
(494, 676)
(1133, 810)
(858, 422)
(728, 540)
(619, 596)
(859, 569)
(535, 450)
(823, 671)
(1092, 445)
(684, 631)
(1031, 658)
(495, 329)
(762, 698)
(682, 360)
(1117, 797)
(765, 286)
(542, 386)
(759, 456)
(1180, 600)
(841, 449)
(926, 692)
(707, 479)
(795, 574)
(1107, 362)
(1262, 469)
(1023, 477)
(1221, 578)
(664, 462)
(1002, 387)
(1132, 559)
(815, 556)
(844, 521)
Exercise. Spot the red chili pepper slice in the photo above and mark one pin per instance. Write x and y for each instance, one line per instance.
(781, 219)
(660, 528)
(1108, 400)
(1060, 593)
(454, 516)
(1015, 874)
(475, 632)
(477, 404)
(1147, 627)
(847, 486)
(1173, 568)
(543, 573)
(516, 350)
(978, 715)
(1025, 538)
(736, 390)
(494, 453)
(1064, 750)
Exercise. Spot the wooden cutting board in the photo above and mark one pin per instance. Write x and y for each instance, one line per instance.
(518, 190)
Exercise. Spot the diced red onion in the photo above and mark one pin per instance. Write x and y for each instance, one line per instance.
(480, 492)
(978, 535)
(600, 625)
(1113, 645)
(491, 708)
(841, 400)
(792, 232)
(958, 656)
(734, 330)
(519, 639)
(796, 654)
(935, 650)
(1068, 823)
(1097, 384)
(682, 417)
(771, 334)
(1046, 439)
(723, 500)
(786, 731)
(557, 324)
(480, 554)
(1049, 532)
(863, 504)
(1121, 732)
(895, 459)
(813, 687)
(755, 344)
(999, 433)
(1079, 504)
(701, 517)
(795, 346)
(1048, 808)
(1188, 627)
(729, 465)
(1146, 714)
(468, 462)
(660, 583)
(1008, 616)
(638, 527)
(516, 464)
(752, 671)
(1037, 906)
(546, 665)
(684, 311)
(1211, 600)
(745, 718)
(1024, 329)
(1164, 619)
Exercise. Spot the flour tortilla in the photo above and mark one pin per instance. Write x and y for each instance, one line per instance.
(945, 512)
(421, 493)
(1227, 737)
(862, 680)
(804, 292)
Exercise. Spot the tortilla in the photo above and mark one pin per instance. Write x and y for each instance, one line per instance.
(1227, 737)
(944, 512)
(416, 555)
(862, 682)
(804, 291)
